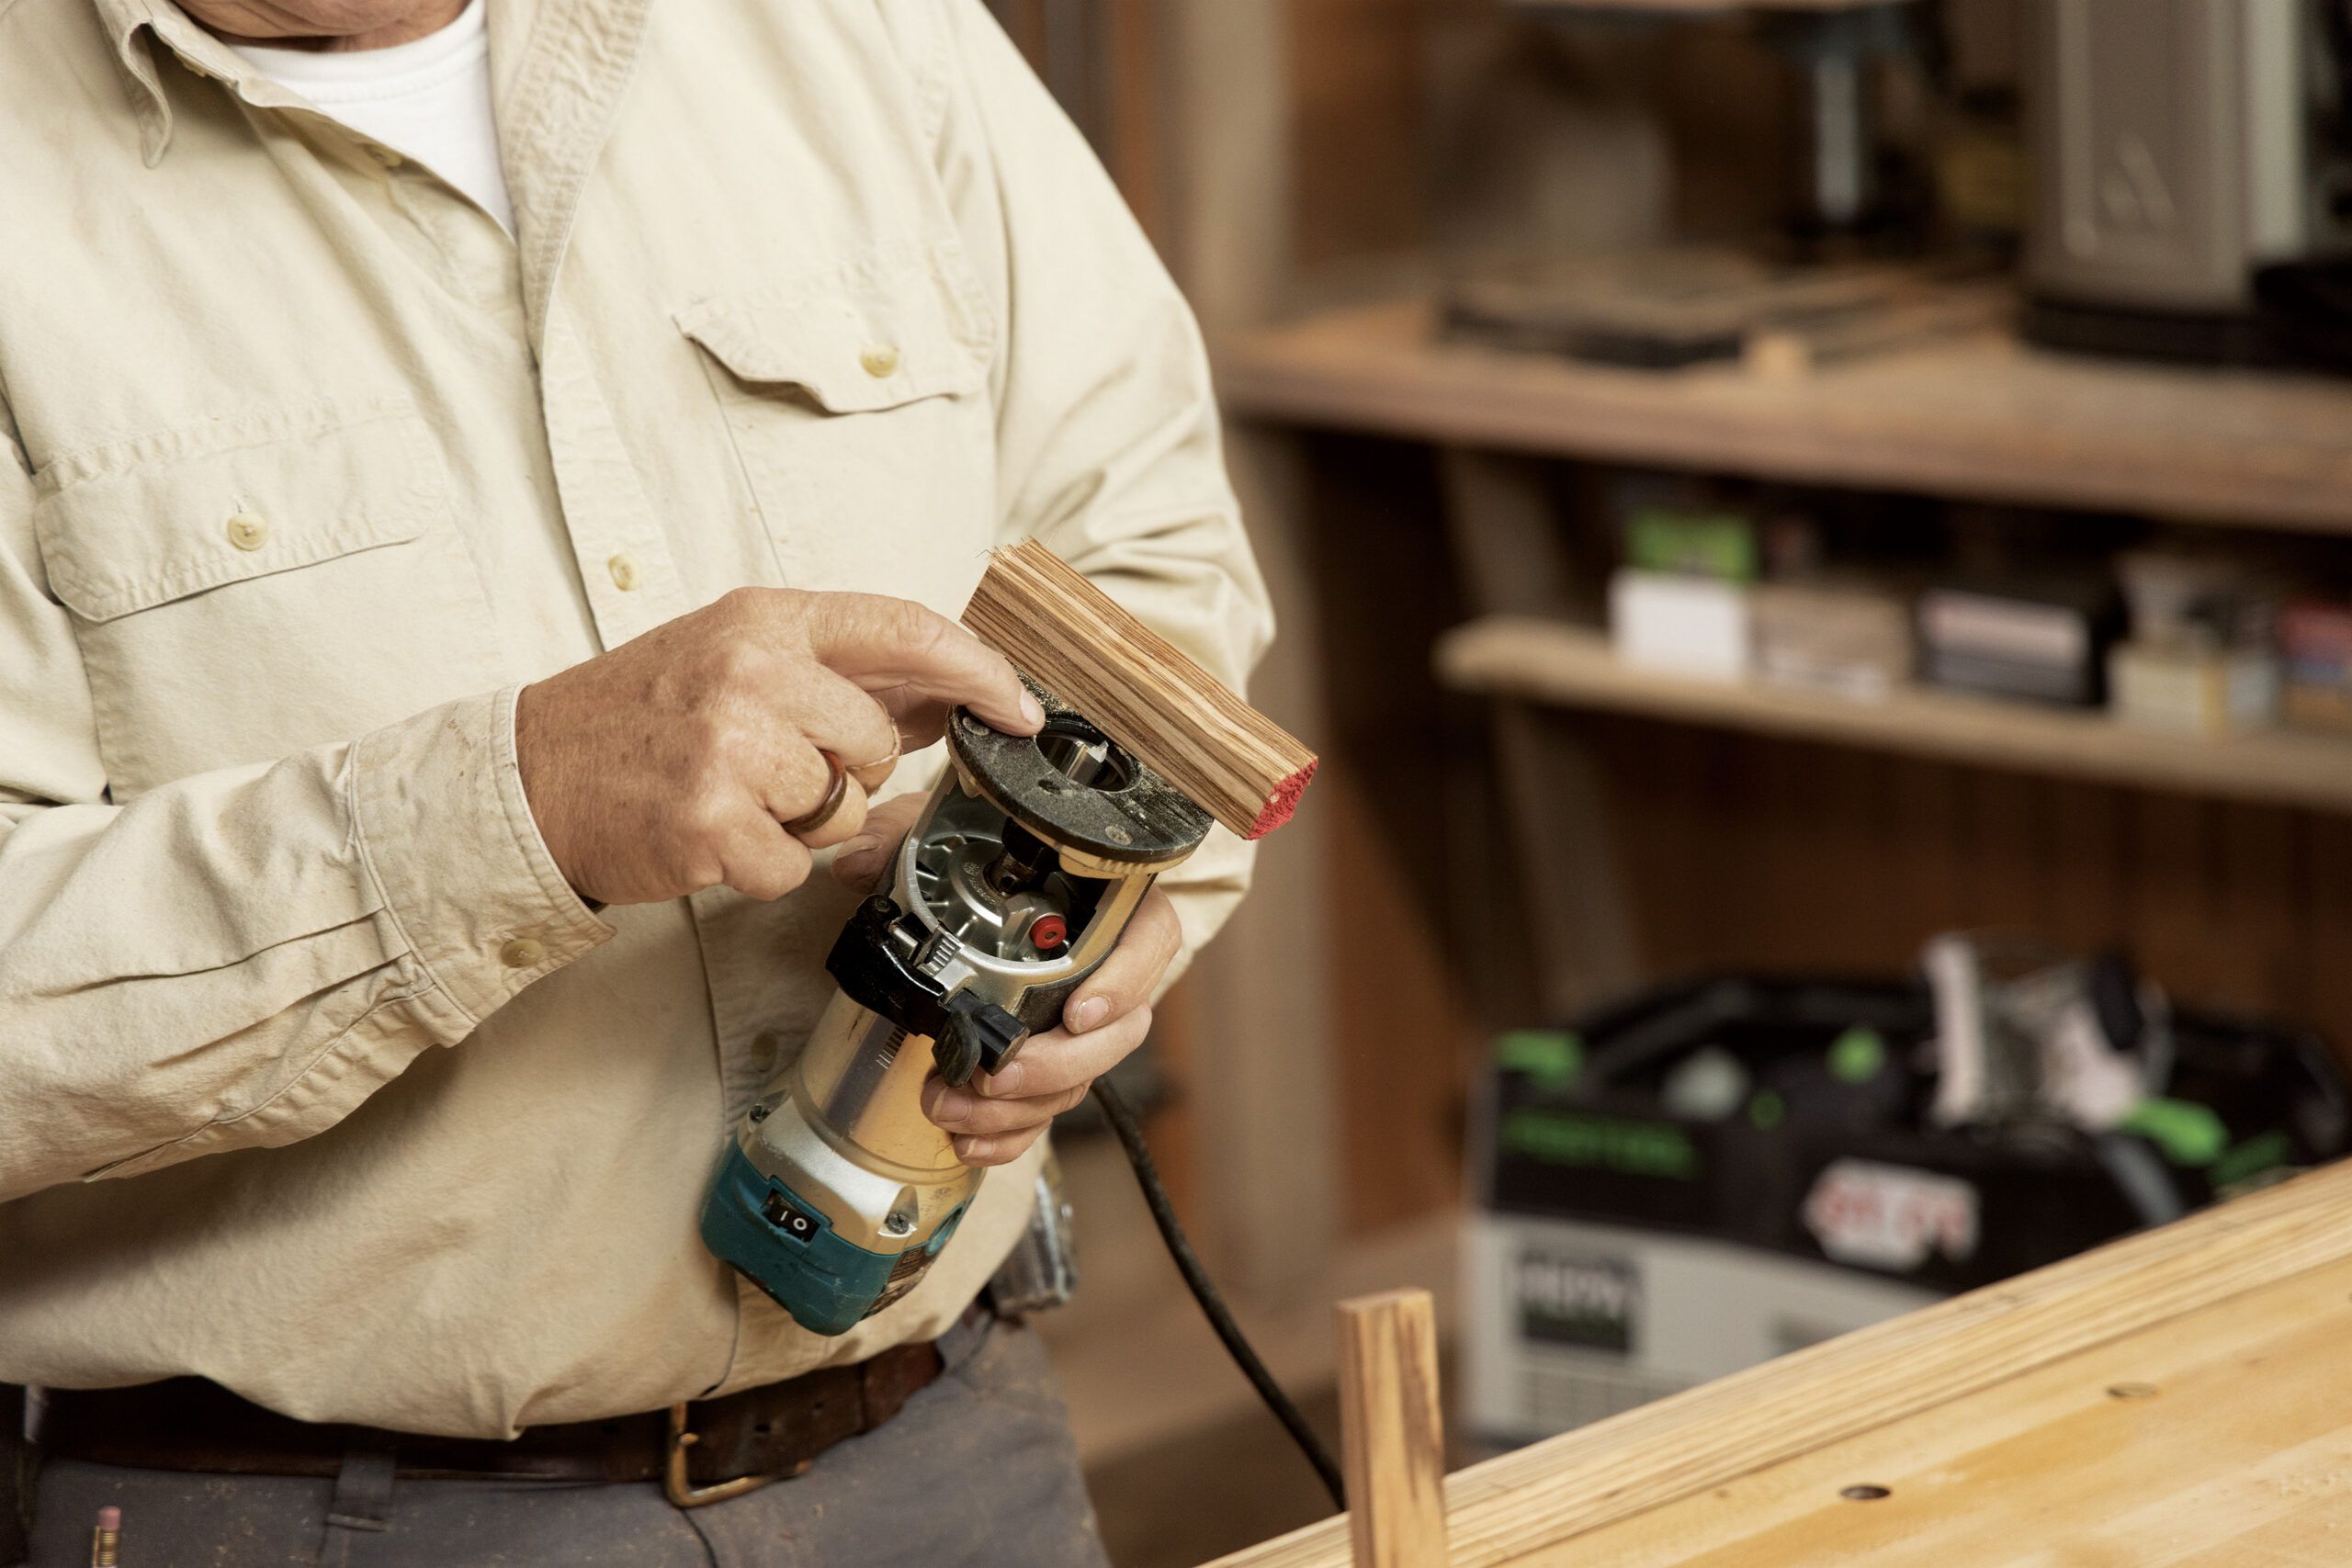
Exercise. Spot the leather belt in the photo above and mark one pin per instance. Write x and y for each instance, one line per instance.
(701, 1450)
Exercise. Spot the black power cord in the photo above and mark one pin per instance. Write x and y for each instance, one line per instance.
(1163, 1214)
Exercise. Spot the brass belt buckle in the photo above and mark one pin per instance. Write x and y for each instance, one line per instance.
(684, 1494)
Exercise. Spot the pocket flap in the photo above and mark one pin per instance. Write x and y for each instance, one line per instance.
(145, 522)
(874, 336)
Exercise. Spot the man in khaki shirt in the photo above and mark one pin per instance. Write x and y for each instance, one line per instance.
(412, 638)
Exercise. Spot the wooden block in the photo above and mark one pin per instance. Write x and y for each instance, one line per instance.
(1393, 1439)
(1139, 689)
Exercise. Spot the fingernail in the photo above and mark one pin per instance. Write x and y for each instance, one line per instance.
(971, 1149)
(863, 844)
(953, 1106)
(1004, 1083)
(1032, 711)
(1090, 1013)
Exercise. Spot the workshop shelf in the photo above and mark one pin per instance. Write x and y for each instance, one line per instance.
(1533, 659)
(1975, 415)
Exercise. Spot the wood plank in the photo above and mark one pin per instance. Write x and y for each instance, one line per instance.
(1708, 1437)
(1392, 1442)
(1974, 415)
(1139, 689)
(1541, 660)
(2228, 1442)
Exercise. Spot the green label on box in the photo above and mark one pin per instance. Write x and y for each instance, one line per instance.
(1552, 1057)
(1606, 1142)
(1708, 544)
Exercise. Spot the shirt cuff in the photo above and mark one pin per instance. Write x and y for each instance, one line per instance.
(437, 807)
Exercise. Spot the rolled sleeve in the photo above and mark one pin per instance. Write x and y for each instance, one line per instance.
(439, 809)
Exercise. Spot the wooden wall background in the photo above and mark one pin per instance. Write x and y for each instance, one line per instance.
(1407, 134)
(1741, 851)
(1732, 853)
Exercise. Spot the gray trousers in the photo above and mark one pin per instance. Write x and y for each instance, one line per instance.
(979, 1470)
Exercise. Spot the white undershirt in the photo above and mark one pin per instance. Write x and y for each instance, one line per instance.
(428, 99)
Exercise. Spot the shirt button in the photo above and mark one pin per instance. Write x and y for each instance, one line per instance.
(247, 532)
(624, 569)
(522, 951)
(880, 361)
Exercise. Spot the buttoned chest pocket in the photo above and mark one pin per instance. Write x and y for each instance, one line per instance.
(858, 406)
(245, 590)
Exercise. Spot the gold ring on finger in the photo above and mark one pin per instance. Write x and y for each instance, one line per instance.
(836, 791)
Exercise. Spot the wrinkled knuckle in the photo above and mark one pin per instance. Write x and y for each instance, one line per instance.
(695, 870)
(763, 883)
(703, 817)
(710, 736)
(741, 607)
(915, 627)
(738, 663)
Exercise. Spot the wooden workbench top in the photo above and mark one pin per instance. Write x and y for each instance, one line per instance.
(2179, 1399)
(1975, 415)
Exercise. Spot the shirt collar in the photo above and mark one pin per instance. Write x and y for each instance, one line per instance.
(126, 20)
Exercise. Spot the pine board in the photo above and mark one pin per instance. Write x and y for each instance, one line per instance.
(2199, 1457)
(2216, 1291)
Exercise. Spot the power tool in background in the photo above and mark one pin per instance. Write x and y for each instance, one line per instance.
(838, 1193)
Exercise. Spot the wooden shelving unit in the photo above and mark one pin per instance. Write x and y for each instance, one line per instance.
(1539, 660)
(1976, 416)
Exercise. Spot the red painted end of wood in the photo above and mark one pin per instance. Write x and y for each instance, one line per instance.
(1283, 802)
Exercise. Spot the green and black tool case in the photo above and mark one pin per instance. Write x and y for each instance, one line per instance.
(1721, 1170)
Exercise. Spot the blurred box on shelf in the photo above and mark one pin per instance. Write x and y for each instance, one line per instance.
(2315, 639)
(1688, 625)
(2308, 705)
(1852, 639)
(2204, 598)
(2040, 641)
(2193, 691)
(2200, 659)
(2315, 657)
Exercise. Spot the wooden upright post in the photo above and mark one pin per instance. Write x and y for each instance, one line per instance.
(1392, 1435)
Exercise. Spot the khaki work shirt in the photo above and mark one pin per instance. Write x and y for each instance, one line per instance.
(316, 1079)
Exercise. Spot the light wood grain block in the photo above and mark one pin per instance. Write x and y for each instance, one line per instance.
(1392, 1435)
(1139, 689)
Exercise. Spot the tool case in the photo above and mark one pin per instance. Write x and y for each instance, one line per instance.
(1725, 1169)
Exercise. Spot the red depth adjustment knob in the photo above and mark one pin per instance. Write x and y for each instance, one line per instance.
(1047, 933)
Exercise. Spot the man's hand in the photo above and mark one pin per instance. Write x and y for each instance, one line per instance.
(994, 1118)
(670, 764)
